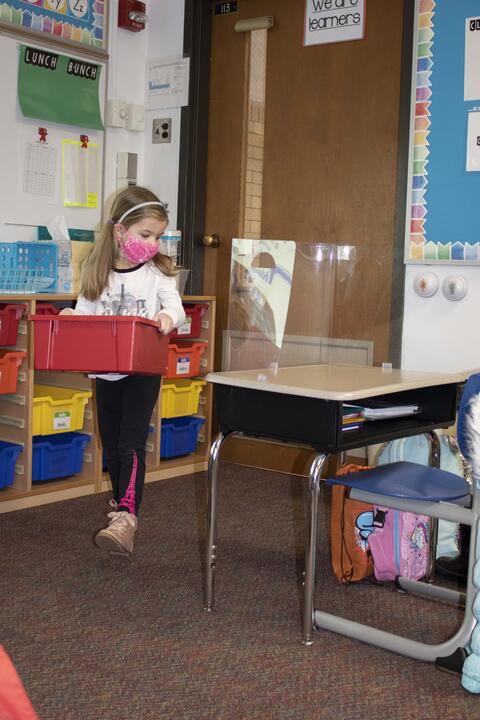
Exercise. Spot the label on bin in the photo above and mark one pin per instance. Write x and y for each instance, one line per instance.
(183, 365)
(61, 420)
(186, 328)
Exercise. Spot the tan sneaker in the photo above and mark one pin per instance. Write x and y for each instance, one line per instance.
(118, 536)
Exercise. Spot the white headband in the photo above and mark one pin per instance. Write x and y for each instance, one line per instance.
(136, 207)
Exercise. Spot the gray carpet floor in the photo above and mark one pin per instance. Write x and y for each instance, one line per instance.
(103, 638)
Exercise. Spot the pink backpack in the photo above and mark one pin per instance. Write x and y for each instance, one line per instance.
(399, 544)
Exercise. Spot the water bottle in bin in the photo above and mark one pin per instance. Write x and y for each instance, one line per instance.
(171, 245)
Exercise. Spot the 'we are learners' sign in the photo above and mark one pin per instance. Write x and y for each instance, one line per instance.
(329, 21)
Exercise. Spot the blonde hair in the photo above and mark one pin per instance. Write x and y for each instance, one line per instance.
(101, 259)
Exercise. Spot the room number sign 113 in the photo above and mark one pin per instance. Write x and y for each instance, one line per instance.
(225, 8)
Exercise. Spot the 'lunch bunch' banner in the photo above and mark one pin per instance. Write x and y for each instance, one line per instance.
(59, 88)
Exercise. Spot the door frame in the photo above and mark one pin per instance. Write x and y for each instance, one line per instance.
(192, 175)
(193, 155)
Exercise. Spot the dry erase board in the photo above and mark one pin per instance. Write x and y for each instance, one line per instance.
(48, 168)
(443, 224)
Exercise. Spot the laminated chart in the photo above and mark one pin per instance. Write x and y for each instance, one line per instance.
(82, 21)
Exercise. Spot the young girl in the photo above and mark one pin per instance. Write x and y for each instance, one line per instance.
(125, 274)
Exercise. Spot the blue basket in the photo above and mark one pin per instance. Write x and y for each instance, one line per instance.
(28, 267)
(9, 453)
(179, 436)
(56, 456)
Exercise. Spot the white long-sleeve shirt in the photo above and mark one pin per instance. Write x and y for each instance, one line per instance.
(142, 290)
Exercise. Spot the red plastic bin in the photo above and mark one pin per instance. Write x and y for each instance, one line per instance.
(44, 308)
(10, 361)
(99, 344)
(184, 359)
(9, 317)
(191, 327)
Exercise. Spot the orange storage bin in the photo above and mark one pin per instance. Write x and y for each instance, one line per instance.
(10, 361)
(184, 359)
(9, 316)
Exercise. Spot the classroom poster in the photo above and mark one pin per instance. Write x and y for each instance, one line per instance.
(443, 224)
(83, 21)
(58, 88)
(332, 21)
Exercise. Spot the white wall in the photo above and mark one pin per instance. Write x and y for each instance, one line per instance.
(129, 53)
(440, 334)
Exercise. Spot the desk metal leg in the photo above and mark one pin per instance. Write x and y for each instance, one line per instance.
(311, 546)
(434, 461)
(211, 550)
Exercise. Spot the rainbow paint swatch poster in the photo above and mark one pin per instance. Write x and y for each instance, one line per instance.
(83, 21)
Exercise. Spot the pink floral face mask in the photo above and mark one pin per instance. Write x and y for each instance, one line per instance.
(134, 249)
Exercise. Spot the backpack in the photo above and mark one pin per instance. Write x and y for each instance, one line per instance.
(399, 544)
(416, 449)
(351, 523)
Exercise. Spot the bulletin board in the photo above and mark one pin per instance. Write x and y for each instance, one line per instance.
(43, 166)
(82, 21)
(443, 222)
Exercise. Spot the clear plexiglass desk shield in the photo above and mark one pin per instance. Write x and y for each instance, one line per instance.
(300, 304)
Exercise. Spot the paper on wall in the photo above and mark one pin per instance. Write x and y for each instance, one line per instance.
(473, 142)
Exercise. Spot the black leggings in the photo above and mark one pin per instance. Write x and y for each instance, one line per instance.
(124, 411)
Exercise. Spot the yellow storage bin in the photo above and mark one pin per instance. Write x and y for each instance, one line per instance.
(57, 410)
(180, 397)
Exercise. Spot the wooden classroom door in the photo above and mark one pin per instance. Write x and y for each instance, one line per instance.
(302, 145)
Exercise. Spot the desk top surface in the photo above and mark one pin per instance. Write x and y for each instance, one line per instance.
(333, 382)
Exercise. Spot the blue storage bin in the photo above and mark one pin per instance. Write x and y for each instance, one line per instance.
(179, 436)
(56, 456)
(28, 267)
(9, 453)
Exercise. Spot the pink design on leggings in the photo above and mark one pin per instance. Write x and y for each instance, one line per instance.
(128, 499)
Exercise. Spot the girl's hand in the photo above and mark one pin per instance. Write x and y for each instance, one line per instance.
(67, 311)
(165, 323)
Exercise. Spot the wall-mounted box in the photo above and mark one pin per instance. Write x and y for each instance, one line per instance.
(135, 117)
(116, 115)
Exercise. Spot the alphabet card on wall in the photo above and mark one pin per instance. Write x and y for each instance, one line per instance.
(83, 21)
(331, 21)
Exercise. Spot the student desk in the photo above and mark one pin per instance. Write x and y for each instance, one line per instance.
(303, 405)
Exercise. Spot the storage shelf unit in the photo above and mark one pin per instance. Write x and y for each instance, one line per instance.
(16, 420)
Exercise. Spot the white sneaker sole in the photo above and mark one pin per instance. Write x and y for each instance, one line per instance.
(110, 545)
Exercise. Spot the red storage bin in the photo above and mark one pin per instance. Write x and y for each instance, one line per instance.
(191, 327)
(184, 359)
(9, 317)
(99, 344)
(46, 309)
(10, 361)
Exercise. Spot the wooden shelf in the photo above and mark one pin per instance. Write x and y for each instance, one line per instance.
(23, 493)
(33, 297)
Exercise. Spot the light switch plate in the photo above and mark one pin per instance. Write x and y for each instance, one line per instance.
(162, 130)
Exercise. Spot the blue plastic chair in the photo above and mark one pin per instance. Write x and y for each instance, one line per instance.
(440, 494)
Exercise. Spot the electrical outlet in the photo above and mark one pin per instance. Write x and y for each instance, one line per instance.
(162, 130)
